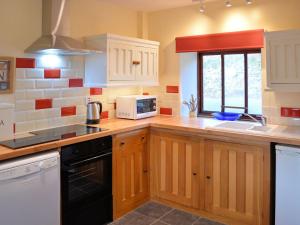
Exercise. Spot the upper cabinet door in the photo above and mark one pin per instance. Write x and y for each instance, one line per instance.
(146, 64)
(283, 60)
(121, 67)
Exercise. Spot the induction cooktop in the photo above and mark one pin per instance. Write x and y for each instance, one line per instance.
(53, 134)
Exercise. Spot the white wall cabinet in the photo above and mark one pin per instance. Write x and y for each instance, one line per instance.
(283, 60)
(124, 62)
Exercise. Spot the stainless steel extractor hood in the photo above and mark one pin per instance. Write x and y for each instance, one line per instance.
(51, 42)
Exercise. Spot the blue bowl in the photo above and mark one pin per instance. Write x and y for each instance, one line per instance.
(226, 116)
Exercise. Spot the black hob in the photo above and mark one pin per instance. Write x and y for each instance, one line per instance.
(48, 135)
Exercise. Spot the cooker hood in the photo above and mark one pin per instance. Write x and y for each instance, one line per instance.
(51, 42)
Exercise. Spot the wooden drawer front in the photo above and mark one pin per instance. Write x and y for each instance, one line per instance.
(178, 168)
(233, 181)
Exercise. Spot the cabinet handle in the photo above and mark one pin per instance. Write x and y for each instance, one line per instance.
(136, 62)
(142, 138)
(122, 143)
(208, 177)
(145, 171)
(194, 174)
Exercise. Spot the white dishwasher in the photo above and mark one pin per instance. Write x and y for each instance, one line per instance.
(30, 190)
(287, 189)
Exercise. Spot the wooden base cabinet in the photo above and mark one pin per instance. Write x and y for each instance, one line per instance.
(220, 179)
(177, 169)
(233, 184)
(130, 171)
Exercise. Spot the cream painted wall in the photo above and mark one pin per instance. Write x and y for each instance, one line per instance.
(90, 17)
(270, 15)
(19, 25)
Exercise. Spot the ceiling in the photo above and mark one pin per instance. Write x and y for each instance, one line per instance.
(154, 5)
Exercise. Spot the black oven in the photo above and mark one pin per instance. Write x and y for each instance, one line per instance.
(86, 178)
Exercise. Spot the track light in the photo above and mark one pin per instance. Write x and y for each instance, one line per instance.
(228, 3)
(249, 2)
(202, 7)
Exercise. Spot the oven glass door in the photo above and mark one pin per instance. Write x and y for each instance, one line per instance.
(146, 105)
(87, 191)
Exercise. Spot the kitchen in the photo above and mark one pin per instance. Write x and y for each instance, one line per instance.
(172, 168)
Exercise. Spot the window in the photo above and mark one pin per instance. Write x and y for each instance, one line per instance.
(230, 82)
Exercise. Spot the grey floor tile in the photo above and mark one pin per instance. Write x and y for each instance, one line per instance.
(134, 218)
(153, 209)
(177, 217)
(203, 221)
(160, 223)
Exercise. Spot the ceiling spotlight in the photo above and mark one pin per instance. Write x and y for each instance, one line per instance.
(249, 2)
(228, 3)
(202, 7)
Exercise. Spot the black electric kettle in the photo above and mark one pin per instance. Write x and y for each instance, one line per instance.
(94, 110)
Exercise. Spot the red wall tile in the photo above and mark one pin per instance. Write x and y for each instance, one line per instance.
(51, 73)
(25, 63)
(166, 111)
(95, 91)
(68, 111)
(172, 89)
(104, 115)
(290, 112)
(75, 83)
(145, 93)
(43, 103)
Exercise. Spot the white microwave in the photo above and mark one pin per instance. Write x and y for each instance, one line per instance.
(136, 106)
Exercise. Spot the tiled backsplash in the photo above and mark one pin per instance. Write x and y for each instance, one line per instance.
(47, 97)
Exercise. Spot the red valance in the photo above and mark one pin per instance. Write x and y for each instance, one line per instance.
(250, 39)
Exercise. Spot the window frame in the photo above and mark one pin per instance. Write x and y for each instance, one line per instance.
(200, 55)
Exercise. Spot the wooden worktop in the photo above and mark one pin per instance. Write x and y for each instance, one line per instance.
(195, 126)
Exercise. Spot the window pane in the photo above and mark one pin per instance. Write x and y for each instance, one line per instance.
(234, 81)
(254, 84)
(212, 83)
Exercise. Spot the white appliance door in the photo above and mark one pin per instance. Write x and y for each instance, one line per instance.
(30, 193)
(287, 209)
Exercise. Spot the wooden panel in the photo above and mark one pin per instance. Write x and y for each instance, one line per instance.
(130, 169)
(234, 181)
(147, 68)
(121, 67)
(177, 176)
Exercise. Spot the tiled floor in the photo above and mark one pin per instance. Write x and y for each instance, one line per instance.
(153, 213)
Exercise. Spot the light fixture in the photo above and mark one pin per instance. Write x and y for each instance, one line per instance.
(249, 2)
(202, 7)
(228, 3)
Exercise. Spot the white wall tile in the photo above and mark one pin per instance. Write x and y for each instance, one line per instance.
(20, 95)
(44, 83)
(25, 126)
(60, 83)
(35, 73)
(25, 105)
(20, 73)
(34, 94)
(25, 84)
(52, 93)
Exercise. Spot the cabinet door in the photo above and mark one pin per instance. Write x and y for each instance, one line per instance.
(283, 53)
(178, 169)
(121, 66)
(130, 168)
(147, 64)
(233, 181)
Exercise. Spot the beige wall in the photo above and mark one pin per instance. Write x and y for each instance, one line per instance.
(90, 17)
(270, 15)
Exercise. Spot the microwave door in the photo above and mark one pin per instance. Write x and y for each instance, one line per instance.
(146, 106)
